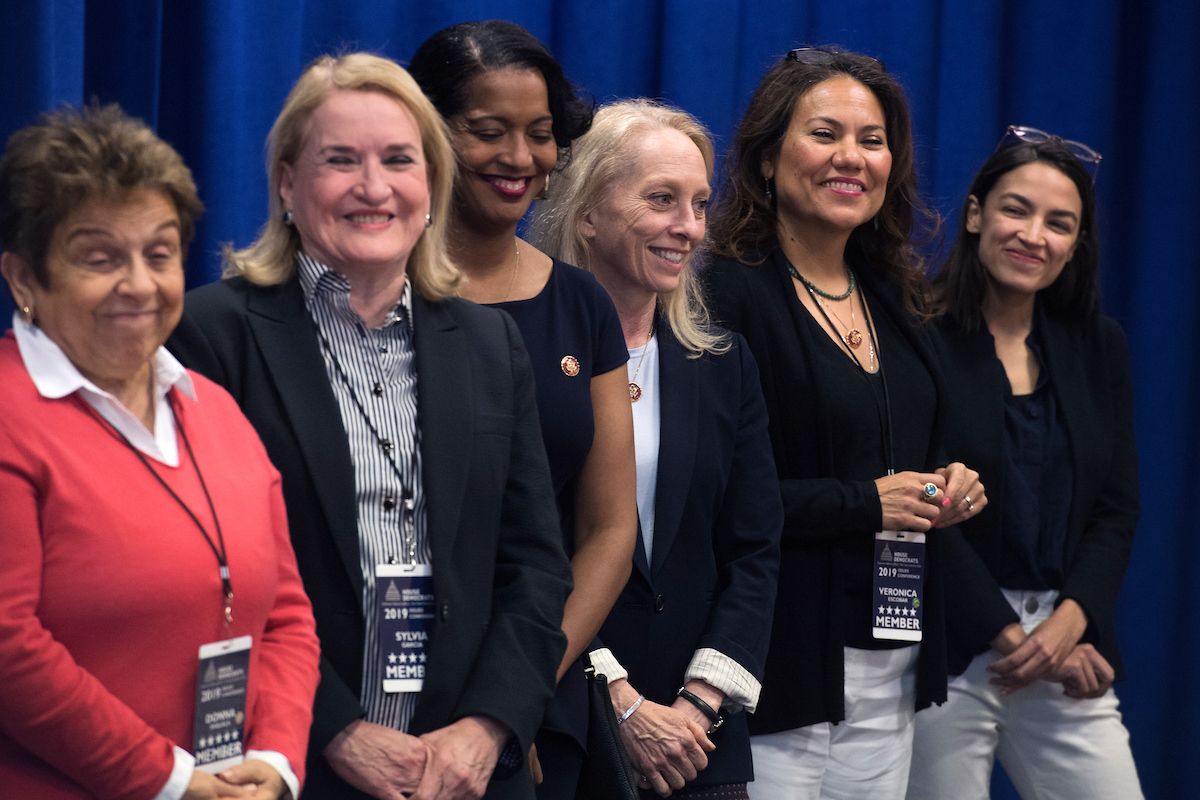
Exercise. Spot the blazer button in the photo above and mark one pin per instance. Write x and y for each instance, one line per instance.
(389, 502)
(377, 390)
(1031, 605)
(660, 603)
(445, 612)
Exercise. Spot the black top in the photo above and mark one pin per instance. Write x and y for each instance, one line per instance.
(571, 316)
(1038, 471)
(859, 430)
(572, 332)
(804, 676)
(1088, 365)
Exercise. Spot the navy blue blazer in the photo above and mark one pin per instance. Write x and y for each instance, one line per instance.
(1088, 364)
(717, 521)
(500, 572)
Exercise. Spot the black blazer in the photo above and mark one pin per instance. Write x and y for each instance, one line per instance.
(717, 520)
(1088, 366)
(805, 676)
(500, 573)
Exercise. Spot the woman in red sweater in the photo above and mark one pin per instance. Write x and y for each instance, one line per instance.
(155, 639)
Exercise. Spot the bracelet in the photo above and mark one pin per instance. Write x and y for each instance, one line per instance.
(705, 709)
(636, 705)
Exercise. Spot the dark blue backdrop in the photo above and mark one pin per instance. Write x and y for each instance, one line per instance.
(1121, 75)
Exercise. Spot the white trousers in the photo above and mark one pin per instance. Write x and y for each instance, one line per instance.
(1051, 746)
(865, 756)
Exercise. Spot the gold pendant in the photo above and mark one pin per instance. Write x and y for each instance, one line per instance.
(854, 337)
(635, 392)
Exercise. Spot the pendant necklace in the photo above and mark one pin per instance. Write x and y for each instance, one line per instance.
(853, 337)
(635, 391)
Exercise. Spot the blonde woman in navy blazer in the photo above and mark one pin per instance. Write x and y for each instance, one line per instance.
(685, 644)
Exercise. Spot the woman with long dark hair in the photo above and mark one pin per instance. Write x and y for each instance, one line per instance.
(818, 271)
(1042, 404)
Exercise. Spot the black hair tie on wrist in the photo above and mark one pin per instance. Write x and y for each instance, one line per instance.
(705, 709)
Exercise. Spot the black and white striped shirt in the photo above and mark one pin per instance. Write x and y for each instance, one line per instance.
(374, 377)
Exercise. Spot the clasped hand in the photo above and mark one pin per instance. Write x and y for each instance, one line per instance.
(450, 763)
(667, 744)
(253, 779)
(906, 506)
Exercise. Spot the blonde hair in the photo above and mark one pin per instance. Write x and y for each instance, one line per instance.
(271, 260)
(599, 159)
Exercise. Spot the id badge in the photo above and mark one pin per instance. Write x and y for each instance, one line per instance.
(406, 611)
(899, 585)
(220, 724)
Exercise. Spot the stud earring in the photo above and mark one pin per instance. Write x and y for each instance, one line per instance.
(428, 221)
(288, 217)
(26, 313)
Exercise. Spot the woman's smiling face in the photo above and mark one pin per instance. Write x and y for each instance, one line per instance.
(1028, 226)
(649, 223)
(358, 188)
(832, 168)
(504, 141)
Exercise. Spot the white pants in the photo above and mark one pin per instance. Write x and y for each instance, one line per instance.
(864, 757)
(1053, 747)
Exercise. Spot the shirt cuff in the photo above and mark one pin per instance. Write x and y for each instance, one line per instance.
(279, 762)
(726, 675)
(606, 664)
(181, 776)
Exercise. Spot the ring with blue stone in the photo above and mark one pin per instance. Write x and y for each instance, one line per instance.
(930, 489)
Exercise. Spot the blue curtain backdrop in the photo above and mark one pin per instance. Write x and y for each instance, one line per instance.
(1121, 75)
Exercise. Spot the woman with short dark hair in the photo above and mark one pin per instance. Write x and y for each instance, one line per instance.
(143, 544)
(512, 117)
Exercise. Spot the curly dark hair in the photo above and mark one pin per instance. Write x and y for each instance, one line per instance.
(73, 156)
(744, 223)
(446, 62)
(961, 285)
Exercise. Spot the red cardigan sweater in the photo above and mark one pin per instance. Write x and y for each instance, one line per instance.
(108, 589)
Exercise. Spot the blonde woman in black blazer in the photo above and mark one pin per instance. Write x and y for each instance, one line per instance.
(1042, 405)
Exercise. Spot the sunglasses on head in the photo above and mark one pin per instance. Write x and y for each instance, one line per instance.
(1020, 133)
(824, 55)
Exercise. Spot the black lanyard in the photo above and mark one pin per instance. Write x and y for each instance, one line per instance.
(408, 531)
(222, 559)
(884, 409)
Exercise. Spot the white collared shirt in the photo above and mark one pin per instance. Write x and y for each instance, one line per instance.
(55, 377)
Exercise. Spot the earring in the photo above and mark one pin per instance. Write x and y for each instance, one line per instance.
(876, 220)
(26, 314)
(545, 189)
(288, 217)
(767, 187)
(428, 221)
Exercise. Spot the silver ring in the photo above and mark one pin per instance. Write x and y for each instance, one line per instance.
(929, 489)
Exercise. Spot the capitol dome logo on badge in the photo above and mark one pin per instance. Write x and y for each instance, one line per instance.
(570, 366)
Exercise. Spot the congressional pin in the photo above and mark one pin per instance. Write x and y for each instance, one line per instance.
(407, 611)
(220, 725)
(570, 366)
(899, 583)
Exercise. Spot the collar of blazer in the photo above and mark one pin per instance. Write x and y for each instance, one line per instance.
(285, 335)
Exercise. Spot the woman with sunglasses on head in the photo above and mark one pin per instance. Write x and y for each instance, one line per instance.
(512, 116)
(1042, 404)
(819, 274)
